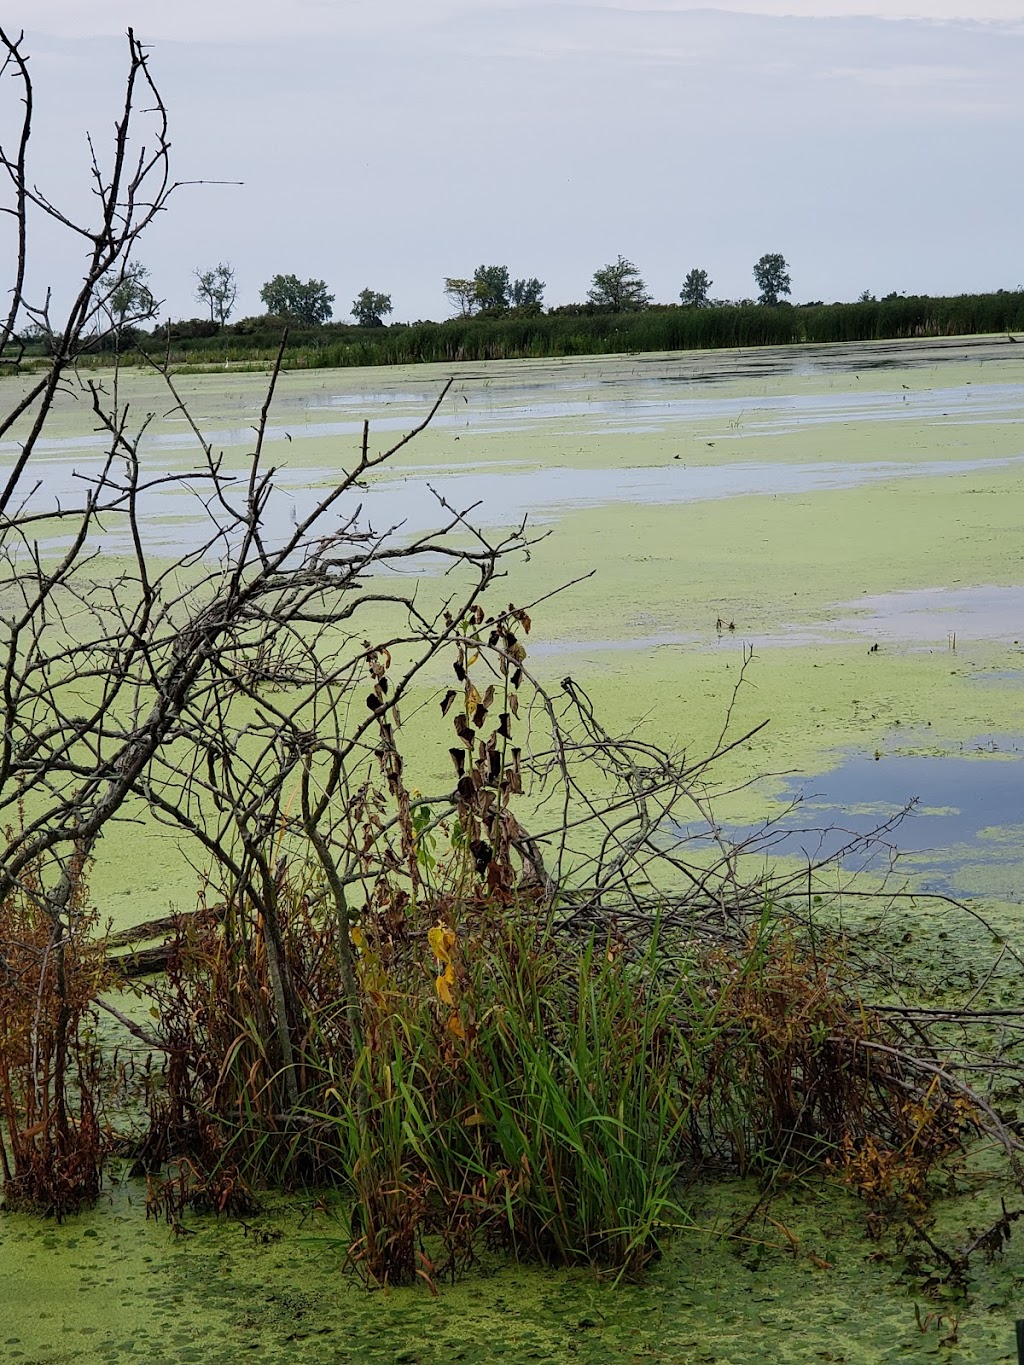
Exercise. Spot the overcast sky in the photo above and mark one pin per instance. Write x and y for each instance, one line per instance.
(388, 143)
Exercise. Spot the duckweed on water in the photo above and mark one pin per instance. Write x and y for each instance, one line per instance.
(111, 1287)
(781, 567)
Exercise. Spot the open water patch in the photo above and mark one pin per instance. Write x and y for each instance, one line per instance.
(948, 614)
(173, 517)
(953, 822)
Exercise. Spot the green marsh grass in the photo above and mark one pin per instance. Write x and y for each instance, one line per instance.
(541, 1094)
(252, 343)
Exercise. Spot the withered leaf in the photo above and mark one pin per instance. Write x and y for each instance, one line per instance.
(489, 696)
(467, 788)
(479, 716)
(459, 671)
(449, 697)
(459, 759)
(374, 702)
(503, 721)
(513, 704)
(517, 677)
(481, 851)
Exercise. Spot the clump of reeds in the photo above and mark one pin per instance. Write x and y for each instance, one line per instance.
(529, 1096)
(438, 1043)
(52, 967)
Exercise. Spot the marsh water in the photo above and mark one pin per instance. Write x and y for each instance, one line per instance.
(848, 512)
(852, 515)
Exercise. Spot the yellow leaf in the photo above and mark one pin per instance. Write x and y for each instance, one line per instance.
(455, 1026)
(444, 988)
(357, 936)
(472, 698)
(442, 941)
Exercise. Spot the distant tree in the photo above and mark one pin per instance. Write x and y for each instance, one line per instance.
(866, 296)
(369, 308)
(286, 296)
(462, 295)
(218, 290)
(618, 286)
(696, 286)
(527, 294)
(771, 275)
(129, 299)
(493, 289)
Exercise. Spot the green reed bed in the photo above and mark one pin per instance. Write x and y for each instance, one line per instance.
(571, 331)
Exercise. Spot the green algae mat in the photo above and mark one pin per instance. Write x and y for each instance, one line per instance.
(805, 1285)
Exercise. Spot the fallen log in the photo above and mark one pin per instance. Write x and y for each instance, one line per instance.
(150, 928)
(141, 961)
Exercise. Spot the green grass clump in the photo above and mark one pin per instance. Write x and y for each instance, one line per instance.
(556, 1124)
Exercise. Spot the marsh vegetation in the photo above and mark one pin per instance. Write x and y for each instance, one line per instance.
(479, 996)
(576, 331)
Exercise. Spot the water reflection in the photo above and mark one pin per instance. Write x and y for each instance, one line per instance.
(961, 836)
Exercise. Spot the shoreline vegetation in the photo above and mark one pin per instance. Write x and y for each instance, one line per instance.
(574, 330)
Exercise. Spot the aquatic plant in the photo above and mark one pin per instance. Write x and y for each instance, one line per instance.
(485, 1053)
(52, 1146)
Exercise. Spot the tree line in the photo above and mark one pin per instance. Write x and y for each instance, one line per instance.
(496, 317)
(490, 292)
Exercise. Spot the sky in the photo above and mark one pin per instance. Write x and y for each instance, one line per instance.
(876, 144)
